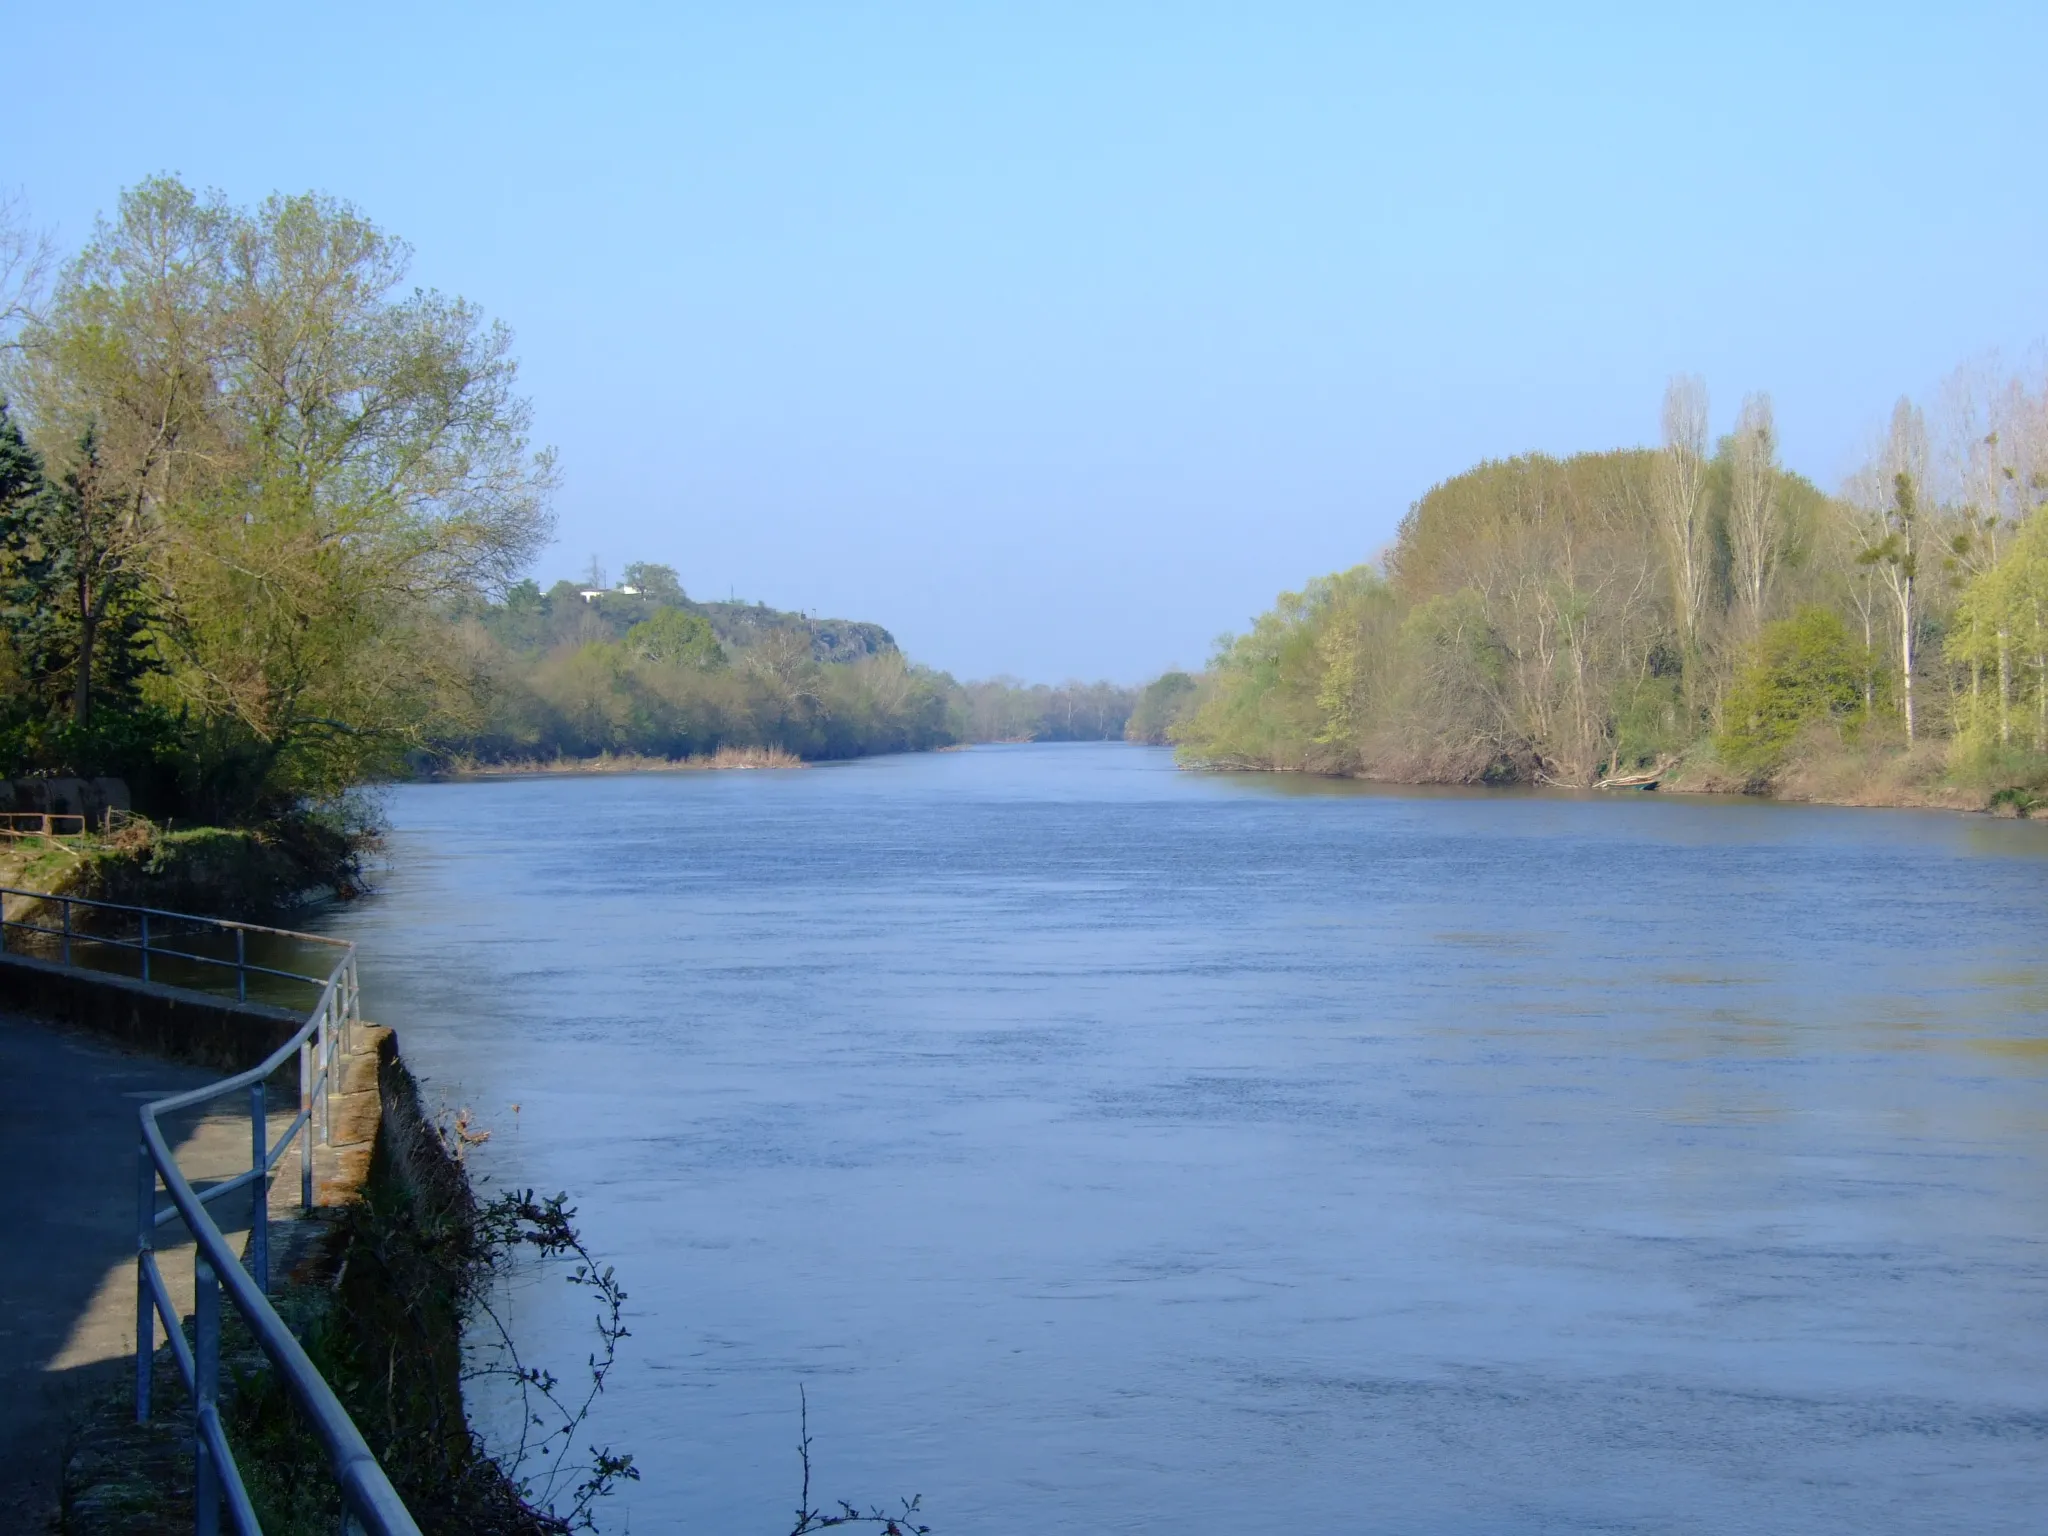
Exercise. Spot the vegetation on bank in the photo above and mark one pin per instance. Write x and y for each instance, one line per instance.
(639, 671)
(398, 1314)
(263, 507)
(1690, 609)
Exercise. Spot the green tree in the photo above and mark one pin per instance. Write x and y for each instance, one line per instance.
(310, 462)
(71, 595)
(2002, 623)
(1803, 671)
(657, 582)
(675, 637)
(1160, 707)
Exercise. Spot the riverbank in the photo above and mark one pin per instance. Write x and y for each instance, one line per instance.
(1901, 778)
(378, 1283)
(378, 1280)
(247, 873)
(723, 760)
(1823, 770)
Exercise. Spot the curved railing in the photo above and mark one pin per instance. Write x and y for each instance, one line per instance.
(366, 1492)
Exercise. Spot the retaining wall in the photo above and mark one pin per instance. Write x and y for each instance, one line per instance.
(148, 1016)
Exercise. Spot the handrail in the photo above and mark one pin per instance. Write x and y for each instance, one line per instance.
(366, 1491)
(67, 933)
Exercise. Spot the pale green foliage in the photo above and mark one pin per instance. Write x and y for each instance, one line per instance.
(2001, 632)
(675, 637)
(1267, 708)
(1803, 671)
(1527, 628)
(312, 460)
(1161, 707)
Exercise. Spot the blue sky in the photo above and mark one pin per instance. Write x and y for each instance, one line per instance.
(1059, 338)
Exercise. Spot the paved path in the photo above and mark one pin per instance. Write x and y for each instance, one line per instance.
(68, 1140)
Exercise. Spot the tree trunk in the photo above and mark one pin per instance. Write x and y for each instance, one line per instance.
(1906, 652)
(1869, 667)
(88, 628)
(2004, 687)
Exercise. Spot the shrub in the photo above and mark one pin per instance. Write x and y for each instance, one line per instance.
(1802, 671)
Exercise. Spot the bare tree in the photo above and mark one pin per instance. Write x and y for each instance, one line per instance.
(1887, 493)
(1680, 490)
(1756, 535)
(1846, 533)
(1992, 463)
(26, 257)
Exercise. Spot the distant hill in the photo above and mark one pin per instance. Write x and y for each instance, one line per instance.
(532, 620)
(742, 625)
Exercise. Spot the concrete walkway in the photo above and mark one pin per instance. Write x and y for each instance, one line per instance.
(68, 1139)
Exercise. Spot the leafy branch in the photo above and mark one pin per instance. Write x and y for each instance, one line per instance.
(552, 1413)
(903, 1523)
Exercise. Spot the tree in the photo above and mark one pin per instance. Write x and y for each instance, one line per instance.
(1893, 517)
(658, 582)
(1756, 534)
(312, 462)
(24, 503)
(25, 261)
(1995, 459)
(675, 637)
(1846, 534)
(2003, 618)
(97, 552)
(1679, 491)
(1161, 706)
(1802, 670)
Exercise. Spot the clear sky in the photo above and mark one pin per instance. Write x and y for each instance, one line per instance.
(1059, 338)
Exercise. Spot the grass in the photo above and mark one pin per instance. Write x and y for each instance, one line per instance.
(624, 762)
(1877, 767)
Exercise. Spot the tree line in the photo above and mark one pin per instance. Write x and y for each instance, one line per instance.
(1696, 603)
(641, 668)
(264, 507)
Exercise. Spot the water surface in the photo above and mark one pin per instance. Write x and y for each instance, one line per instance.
(1105, 1147)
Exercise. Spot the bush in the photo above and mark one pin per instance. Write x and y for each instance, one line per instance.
(1803, 671)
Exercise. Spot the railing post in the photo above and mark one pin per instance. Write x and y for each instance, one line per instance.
(205, 1393)
(306, 1130)
(67, 931)
(241, 966)
(145, 946)
(259, 1190)
(145, 1297)
(326, 1069)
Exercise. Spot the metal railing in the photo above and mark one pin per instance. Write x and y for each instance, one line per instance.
(367, 1494)
(41, 824)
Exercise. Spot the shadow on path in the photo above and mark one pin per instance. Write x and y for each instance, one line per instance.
(68, 1138)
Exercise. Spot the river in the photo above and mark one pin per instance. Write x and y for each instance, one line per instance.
(1108, 1148)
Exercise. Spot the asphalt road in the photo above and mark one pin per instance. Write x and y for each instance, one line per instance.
(68, 1139)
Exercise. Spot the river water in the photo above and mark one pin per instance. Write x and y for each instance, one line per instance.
(1103, 1147)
